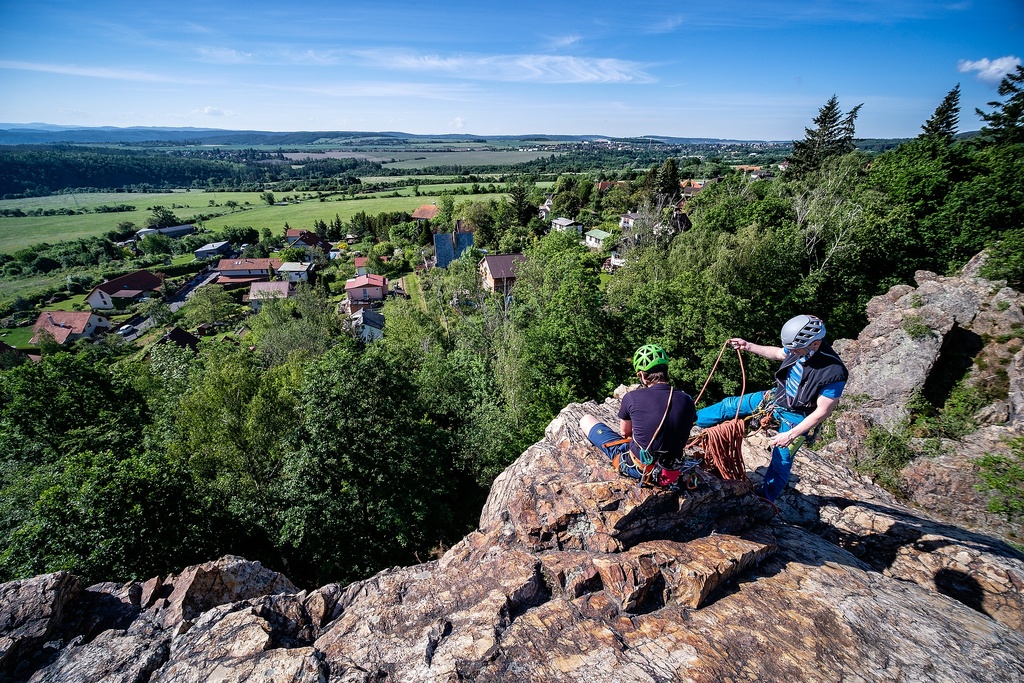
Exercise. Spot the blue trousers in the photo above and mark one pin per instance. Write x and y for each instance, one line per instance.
(777, 475)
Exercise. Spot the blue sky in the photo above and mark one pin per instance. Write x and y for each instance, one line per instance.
(726, 69)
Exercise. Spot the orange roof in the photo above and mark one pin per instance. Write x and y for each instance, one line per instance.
(229, 264)
(367, 281)
(61, 324)
(265, 290)
(426, 212)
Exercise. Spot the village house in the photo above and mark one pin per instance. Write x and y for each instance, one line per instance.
(293, 271)
(627, 220)
(262, 291)
(596, 238)
(499, 271)
(450, 246)
(212, 249)
(123, 291)
(605, 185)
(239, 272)
(544, 210)
(65, 326)
(306, 238)
(426, 212)
(368, 324)
(613, 262)
(566, 225)
(360, 263)
(365, 291)
(180, 338)
(173, 231)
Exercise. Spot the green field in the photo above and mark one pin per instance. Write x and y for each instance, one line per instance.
(477, 157)
(302, 215)
(18, 233)
(17, 337)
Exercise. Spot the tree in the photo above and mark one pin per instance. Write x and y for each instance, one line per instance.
(518, 190)
(267, 197)
(110, 517)
(832, 136)
(240, 235)
(1005, 123)
(376, 487)
(943, 123)
(208, 304)
(162, 218)
(156, 244)
(668, 179)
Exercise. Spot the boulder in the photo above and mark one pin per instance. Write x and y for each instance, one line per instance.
(31, 611)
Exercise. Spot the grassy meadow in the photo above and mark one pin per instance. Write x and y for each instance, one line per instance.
(476, 157)
(18, 233)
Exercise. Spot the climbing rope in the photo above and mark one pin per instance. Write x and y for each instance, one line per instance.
(723, 444)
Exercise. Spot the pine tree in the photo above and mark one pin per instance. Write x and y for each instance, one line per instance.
(832, 136)
(668, 178)
(1006, 121)
(943, 123)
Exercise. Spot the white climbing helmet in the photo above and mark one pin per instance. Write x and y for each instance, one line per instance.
(801, 331)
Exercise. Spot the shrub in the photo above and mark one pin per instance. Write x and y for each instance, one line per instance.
(888, 452)
(1002, 477)
(1006, 259)
(915, 326)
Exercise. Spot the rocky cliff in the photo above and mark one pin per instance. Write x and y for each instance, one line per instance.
(576, 574)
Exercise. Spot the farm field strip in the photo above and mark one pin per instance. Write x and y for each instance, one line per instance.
(21, 232)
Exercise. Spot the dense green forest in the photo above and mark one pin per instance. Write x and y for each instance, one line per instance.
(330, 459)
(39, 170)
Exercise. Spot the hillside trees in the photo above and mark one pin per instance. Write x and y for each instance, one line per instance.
(371, 473)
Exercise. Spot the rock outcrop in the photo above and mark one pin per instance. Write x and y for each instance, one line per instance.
(576, 574)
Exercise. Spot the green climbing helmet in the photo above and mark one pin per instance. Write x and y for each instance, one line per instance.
(649, 356)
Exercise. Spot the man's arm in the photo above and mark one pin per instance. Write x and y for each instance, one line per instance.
(626, 428)
(823, 408)
(769, 352)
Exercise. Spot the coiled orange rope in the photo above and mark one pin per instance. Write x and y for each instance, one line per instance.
(723, 443)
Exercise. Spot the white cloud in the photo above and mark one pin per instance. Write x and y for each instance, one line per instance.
(311, 58)
(208, 111)
(667, 25)
(458, 123)
(96, 72)
(990, 70)
(518, 68)
(224, 55)
(560, 42)
(371, 89)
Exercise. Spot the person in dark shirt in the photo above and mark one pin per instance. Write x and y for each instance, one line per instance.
(654, 423)
(808, 385)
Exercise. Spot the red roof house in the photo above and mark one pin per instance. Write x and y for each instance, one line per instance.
(237, 272)
(425, 213)
(306, 238)
(365, 290)
(122, 291)
(499, 271)
(66, 326)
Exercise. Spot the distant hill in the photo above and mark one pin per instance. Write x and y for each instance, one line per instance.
(41, 133)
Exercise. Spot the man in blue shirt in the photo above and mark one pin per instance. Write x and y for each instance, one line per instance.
(808, 385)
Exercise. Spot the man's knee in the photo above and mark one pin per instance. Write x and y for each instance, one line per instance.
(587, 423)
